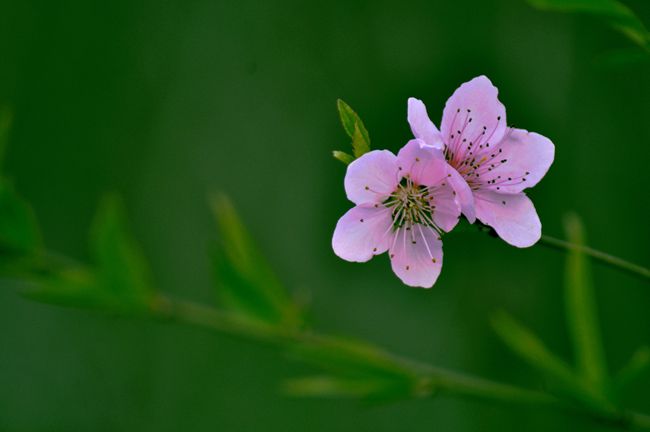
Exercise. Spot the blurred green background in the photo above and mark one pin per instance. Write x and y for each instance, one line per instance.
(166, 102)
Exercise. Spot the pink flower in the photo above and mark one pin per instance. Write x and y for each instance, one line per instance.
(493, 163)
(403, 205)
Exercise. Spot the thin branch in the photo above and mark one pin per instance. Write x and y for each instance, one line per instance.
(611, 260)
(432, 380)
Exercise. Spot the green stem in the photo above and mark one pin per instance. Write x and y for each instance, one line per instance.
(431, 380)
(603, 257)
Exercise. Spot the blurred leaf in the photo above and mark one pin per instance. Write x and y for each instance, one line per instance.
(581, 312)
(343, 157)
(353, 368)
(622, 57)
(354, 128)
(19, 234)
(73, 287)
(634, 369)
(122, 268)
(119, 283)
(612, 12)
(6, 119)
(531, 349)
(246, 283)
(335, 387)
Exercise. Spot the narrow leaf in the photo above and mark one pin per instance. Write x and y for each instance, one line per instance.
(634, 369)
(531, 349)
(612, 12)
(327, 386)
(6, 119)
(246, 283)
(353, 368)
(343, 157)
(71, 287)
(119, 281)
(121, 268)
(351, 358)
(19, 234)
(581, 312)
(354, 128)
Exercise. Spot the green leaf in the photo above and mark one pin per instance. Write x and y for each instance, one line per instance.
(581, 312)
(531, 349)
(353, 368)
(343, 157)
(119, 282)
(327, 386)
(622, 57)
(121, 268)
(245, 281)
(72, 287)
(6, 119)
(350, 358)
(19, 234)
(612, 12)
(634, 369)
(354, 128)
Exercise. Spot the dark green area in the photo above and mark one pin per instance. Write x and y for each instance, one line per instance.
(169, 102)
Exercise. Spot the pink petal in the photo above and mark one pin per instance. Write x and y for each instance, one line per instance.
(362, 232)
(447, 210)
(413, 160)
(473, 116)
(464, 195)
(527, 156)
(372, 177)
(421, 126)
(512, 216)
(416, 256)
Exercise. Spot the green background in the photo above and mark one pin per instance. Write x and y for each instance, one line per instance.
(166, 102)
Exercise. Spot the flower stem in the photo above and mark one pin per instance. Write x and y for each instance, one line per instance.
(611, 260)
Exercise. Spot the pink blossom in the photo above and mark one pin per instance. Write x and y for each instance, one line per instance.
(403, 205)
(493, 163)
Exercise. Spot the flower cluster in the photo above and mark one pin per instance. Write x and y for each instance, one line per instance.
(473, 165)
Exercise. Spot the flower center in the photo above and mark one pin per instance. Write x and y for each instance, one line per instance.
(411, 204)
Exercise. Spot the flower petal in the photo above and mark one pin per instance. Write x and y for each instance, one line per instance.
(473, 116)
(446, 210)
(512, 216)
(372, 177)
(421, 126)
(527, 156)
(416, 256)
(413, 159)
(362, 232)
(464, 195)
